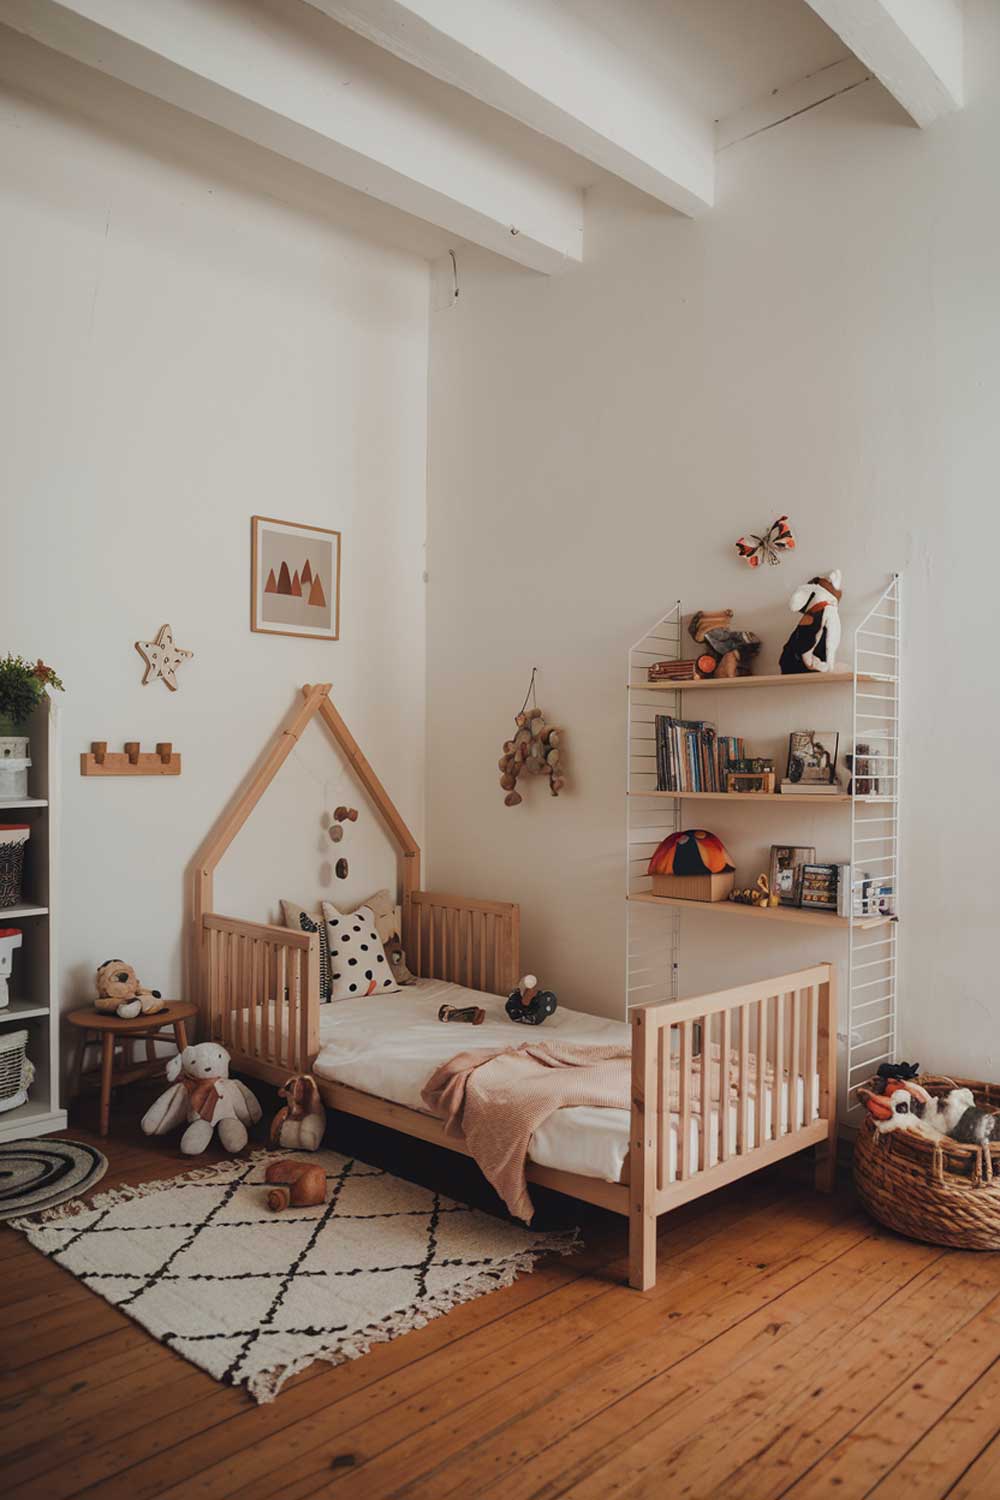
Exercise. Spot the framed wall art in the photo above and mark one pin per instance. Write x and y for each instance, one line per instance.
(785, 872)
(294, 579)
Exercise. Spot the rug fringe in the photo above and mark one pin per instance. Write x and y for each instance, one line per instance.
(266, 1385)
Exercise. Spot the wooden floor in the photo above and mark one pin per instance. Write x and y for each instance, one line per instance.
(791, 1348)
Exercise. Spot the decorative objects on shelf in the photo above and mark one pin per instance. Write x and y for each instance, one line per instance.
(119, 992)
(13, 839)
(162, 658)
(819, 887)
(812, 760)
(295, 1184)
(295, 579)
(864, 765)
(725, 653)
(785, 874)
(10, 938)
(767, 547)
(22, 688)
(300, 1124)
(17, 1071)
(813, 644)
(750, 783)
(760, 894)
(692, 865)
(132, 761)
(530, 1005)
(535, 748)
(202, 1096)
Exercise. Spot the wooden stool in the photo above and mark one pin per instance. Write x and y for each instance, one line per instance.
(111, 1031)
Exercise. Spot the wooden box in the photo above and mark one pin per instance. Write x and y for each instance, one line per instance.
(694, 887)
(750, 783)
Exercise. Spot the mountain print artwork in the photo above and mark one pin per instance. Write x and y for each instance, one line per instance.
(296, 579)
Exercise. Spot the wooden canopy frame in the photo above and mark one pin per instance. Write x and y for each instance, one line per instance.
(315, 700)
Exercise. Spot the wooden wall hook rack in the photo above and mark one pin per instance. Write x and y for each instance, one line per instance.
(131, 761)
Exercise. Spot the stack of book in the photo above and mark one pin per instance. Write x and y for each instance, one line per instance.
(811, 788)
(691, 756)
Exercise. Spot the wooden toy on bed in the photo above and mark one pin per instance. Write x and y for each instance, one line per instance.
(258, 989)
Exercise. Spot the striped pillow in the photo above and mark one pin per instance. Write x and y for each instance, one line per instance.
(300, 920)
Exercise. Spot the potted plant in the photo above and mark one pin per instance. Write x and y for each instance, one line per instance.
(22, 688)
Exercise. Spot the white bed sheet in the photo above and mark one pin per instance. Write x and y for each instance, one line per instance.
(389, 1046)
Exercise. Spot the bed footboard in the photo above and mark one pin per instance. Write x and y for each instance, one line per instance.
(749, 1077)
(455, 938)
(261, 988)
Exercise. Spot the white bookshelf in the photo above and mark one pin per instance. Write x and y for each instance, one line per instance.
(34, 988)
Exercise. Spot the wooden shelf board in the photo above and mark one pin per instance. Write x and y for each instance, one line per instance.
(9, 803)
(22, 911)
(793, 914)
(21, 1010)
(798, 679)
(36, 1117)
(768, 799)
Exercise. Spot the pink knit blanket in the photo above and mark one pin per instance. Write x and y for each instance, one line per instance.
(497, 1098)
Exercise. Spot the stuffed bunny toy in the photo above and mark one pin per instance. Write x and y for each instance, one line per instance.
(302, 1121)
(203, 1096)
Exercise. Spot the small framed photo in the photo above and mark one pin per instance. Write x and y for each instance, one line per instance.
(294, 579)
(785, 874)
(812, 756)
(819, 887)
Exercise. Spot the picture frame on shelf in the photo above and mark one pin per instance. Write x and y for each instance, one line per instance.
(812, 757)
(785, 871)
(819, 887)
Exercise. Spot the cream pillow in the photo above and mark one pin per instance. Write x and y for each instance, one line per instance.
(296, 917)
(358, 965)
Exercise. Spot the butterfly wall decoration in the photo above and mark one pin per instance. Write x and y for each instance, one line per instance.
(768, 548)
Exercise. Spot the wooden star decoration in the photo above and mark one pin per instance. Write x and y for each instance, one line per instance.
(162, 658)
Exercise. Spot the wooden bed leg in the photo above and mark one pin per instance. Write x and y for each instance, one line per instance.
(642, 1156)
(826, 1165)
(826, 1152)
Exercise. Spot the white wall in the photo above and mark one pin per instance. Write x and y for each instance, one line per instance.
(823, 344)
(183, 350)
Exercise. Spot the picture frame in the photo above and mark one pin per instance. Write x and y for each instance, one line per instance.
(294, 579)
(819, 887)
(785, 871)
(812, 757)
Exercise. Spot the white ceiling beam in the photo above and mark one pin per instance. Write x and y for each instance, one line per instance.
(538, 62)
(278, 73)
(914, 48)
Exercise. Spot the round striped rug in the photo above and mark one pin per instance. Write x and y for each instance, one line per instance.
(36, 1175)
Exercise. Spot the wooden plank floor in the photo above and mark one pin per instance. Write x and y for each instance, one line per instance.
(790, 1348)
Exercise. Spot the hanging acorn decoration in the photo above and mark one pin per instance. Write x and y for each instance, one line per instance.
(535, 748)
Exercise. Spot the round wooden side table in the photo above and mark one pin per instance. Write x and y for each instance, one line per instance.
(111, 1031)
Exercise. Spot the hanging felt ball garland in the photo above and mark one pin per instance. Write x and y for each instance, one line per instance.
(535, 748)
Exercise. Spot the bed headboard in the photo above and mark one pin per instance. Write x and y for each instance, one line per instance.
(475, 943)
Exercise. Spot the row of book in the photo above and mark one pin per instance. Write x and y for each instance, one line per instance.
(692, 757)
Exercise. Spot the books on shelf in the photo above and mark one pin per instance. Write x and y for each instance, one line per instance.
(691, 756)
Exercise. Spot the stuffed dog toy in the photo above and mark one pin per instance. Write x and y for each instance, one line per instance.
(203, 1096)
(120, 993)
(299, 1126)
(813, 644)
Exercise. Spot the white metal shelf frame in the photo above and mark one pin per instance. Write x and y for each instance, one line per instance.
(653, 934)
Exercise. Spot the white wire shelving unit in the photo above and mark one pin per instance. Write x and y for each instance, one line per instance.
(869, 999)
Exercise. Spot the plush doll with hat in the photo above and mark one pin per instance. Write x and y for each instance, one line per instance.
(119, 992)
(202, 1096)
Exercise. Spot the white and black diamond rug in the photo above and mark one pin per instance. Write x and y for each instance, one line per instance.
(252, 1296)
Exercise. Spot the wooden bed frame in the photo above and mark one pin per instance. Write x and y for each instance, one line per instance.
(258, 992)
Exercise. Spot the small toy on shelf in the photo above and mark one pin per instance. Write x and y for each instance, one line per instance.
(202, 1096)
(529, 1004)
(120, 993)
(813, 644)
(300, 1124)
(10, 938)
(534, 748)
(473, 1014)
(295, 1184)
(760, 894)
(725, 652)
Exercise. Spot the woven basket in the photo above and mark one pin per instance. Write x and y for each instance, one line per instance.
(935, 1190)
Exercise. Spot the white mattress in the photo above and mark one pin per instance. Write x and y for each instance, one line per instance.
(389, 1046)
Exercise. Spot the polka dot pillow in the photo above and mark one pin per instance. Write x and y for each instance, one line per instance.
(358, 965)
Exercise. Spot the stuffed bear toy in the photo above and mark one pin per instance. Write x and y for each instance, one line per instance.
(812, 645)
(203, 1096)
(120, 993)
